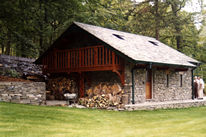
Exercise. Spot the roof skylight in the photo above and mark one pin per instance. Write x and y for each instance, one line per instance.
(154, 43)
(119, 36)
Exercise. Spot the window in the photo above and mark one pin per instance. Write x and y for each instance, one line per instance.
(154, 43)
(167, 80)
(118, 36)
(180, 80)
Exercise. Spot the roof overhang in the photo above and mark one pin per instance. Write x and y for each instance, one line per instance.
(126, 57)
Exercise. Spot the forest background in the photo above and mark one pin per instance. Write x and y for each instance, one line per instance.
(29, 27)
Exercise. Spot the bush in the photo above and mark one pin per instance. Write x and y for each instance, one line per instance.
(11, 73)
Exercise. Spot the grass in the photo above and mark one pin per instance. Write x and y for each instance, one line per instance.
(18, 120)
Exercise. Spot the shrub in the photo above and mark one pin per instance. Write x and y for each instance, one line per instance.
(11, 73)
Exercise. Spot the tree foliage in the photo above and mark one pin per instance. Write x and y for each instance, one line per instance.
(29, 27)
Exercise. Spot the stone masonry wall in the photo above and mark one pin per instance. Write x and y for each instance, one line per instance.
(23, 92)
(140, 81)
(174, 91)
(139, 77)
(24, 66)
(128, 80)
(160, 91)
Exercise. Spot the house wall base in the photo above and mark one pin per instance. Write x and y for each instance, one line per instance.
(166, 105)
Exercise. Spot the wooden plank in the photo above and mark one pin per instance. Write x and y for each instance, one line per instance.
(80, 58)
(57, 60)
(69, 62)
(82, 52)
(113, 59)
(88, 56)
(75, 59)
(109, 57)
(103, 56)
(95, 56)
(106, 56)
(71, 59)
(63, 60)
(92, 58)
(66, 59)
(99, 56)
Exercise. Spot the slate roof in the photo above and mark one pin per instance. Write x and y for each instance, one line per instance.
(139, 48)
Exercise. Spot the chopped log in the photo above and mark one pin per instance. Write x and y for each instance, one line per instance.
(116, 89)
(125, 99)
(61, 85)
(104, 95)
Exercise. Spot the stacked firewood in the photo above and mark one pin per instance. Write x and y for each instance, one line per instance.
(104, 95)
(59, 86)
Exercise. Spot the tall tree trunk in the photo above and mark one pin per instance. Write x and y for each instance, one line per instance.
(23, 51)
(156, 20)
(177, 26)
(41, 30)
(178, 38)
(2, 48)
(41, 43)
(8, 45)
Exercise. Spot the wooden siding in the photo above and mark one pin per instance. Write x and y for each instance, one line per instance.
(96, 58)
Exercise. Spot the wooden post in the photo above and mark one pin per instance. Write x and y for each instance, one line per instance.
(80, 58)
(106, 55)
(55, 60)
(81, 85)
(113, 59)
(103, 56)
(95, 56)
(69, 62)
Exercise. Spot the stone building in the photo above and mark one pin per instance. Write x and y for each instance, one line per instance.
(147, 69)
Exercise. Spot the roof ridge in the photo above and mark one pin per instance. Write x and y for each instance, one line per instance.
(77, 23)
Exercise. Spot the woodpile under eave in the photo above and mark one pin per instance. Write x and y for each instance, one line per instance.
(105, 95)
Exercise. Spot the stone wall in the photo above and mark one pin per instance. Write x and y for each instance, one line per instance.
(23, 92)
(139, 80)
(24, 66)
(128, 80)
(174, 90)
(139, 88)
(160, 91)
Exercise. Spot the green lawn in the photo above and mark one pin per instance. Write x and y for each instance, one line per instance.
(42, 121)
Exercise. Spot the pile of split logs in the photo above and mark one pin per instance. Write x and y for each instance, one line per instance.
(105, 95)
(57, 87)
